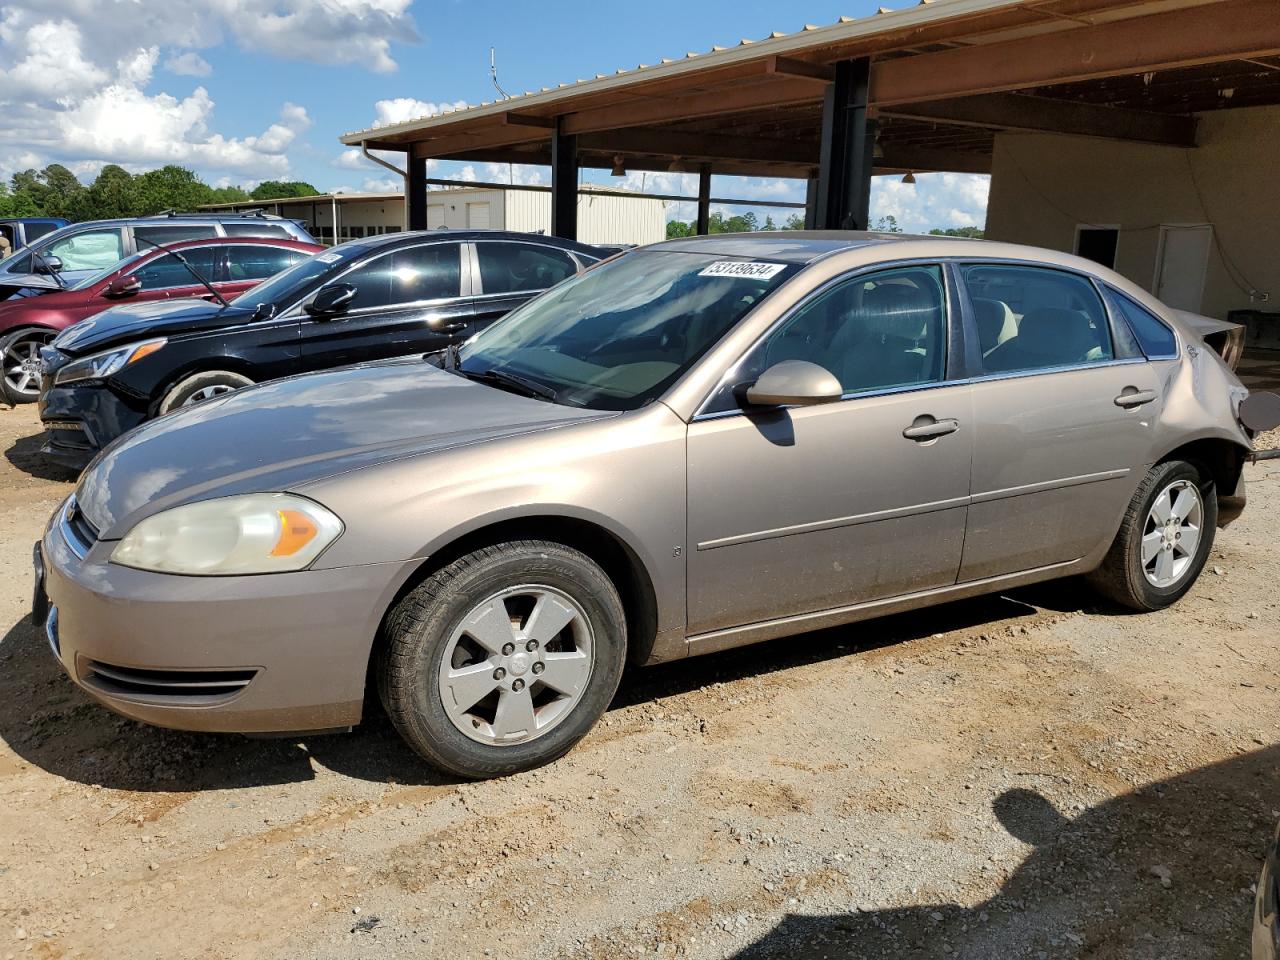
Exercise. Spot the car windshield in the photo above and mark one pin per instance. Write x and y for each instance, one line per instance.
(287, 283)
(616, 337)
(105, 272)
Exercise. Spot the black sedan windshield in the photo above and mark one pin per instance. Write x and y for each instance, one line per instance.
(617, 336)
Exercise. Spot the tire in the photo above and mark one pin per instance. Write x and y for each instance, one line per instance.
(200, 387)
(1131, 580)
(522, 590)
(19, 379)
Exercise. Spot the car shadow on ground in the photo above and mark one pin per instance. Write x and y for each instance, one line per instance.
(24, 453)
(50, 723)
(1163, 872)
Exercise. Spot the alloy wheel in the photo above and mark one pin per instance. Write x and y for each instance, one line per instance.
(21, 364)
(207, 393)
(1172, 533)
(516, 665)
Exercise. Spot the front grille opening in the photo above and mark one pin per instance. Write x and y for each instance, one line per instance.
(85, 530)
(198, 685)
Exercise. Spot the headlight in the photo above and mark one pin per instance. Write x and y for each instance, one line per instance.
(103, 365)
(256, 533)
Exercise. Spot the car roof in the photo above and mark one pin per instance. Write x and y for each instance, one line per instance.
(406, 236)
(796, 246)
(231, 241)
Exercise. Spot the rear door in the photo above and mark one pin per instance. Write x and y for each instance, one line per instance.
(509, 272)
(1063, 418)
(408, 301)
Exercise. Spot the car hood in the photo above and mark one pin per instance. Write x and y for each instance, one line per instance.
(156, 318)
(27, 285)
(283, 434)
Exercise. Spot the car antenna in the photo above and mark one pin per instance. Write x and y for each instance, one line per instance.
(190, 269)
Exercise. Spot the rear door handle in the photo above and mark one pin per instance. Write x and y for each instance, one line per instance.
(927, 428)
(1135, 398)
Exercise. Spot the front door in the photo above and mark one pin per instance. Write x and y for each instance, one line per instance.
(802, 509)
(1062, 426)
(408, 301)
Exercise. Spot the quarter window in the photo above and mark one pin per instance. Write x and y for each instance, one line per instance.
(875, 332)
(513, 267)
(249, 262)
(430, 272)
(1156, 339)
(168, 271)
(89, 250)
(1031, 318)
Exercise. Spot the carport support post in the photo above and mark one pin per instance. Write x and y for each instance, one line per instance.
(415, 194)
(564, 183)
(704, 200)
(848, 145)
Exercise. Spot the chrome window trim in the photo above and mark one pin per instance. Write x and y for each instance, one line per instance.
(789, 314)
(288, 313)
(478, 283)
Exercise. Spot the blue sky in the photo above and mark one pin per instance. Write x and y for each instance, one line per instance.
(247, 90)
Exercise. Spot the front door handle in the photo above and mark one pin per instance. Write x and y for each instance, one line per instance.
(927, 428)
(446, 325)
(1132, 397)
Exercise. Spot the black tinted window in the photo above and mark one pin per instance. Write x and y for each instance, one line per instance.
(1156, 339)
(168, 271)
(255, 230)
(1031, 318)
(510, 267)
(148, 237)
(36, 230)
(874, 332)
(429, 272)
(249, 262)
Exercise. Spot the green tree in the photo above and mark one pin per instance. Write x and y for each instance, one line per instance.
(62, 191)
(678, 228)
(112, 194)
(888, 224)
(169, 188)
(276, 189)
(794, 222)
(973, 233)
(769, 224)
(228, 195)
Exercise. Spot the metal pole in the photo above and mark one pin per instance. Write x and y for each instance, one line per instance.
(848, 146)
(704, 200)
(564, 183)
(415, 191)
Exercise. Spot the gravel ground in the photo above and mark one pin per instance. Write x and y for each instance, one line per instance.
(1032, 775)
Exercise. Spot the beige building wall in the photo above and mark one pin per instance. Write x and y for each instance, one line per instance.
(1044, 186)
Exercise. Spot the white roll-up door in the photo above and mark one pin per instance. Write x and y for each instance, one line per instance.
(478, 216)
(435, 216)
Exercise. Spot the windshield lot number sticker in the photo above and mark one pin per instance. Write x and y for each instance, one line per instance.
(742, 268)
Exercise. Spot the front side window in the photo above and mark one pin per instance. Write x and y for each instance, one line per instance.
(878, 331)
(1035, 318)
(617, 337)
(168, 271)
(1156, 339)
(431, 272)
(250, 262)
(515, 267)
(90, 250)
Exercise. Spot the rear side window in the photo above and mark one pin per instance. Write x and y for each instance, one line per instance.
(37, 230)
(256, 230)
(168, 271)
(1033, 318)
(1157, 340)
(148, 237)
(250, 262)
(514, 267)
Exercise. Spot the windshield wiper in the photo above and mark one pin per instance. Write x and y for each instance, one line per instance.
(511, 381)
(190, 269)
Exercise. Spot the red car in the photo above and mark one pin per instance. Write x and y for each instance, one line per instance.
(231, 264)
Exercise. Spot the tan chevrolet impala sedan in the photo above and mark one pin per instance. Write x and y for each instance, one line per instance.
(695, 445)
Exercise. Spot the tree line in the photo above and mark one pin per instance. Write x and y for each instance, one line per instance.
(56, 192)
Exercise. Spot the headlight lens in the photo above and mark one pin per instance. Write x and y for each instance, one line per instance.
(257, 533)
(103, 365)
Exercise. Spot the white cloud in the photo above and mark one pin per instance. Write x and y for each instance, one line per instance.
(935, 200)
(400, 109)
(382, 185)
(189, 64)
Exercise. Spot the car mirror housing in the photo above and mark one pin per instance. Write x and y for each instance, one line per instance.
(264, 311)
(122, 287)
(47, 264)
(794, 383)
(331, 300)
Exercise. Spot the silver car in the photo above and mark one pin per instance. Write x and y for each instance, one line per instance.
(692, 446)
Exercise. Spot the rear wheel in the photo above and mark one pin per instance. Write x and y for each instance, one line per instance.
(1164, 540)
(20, 364)
(504, 659)
(200, 387)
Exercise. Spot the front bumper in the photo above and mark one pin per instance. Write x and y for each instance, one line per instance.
(83, 418)
(256, 654)
(1266, 926)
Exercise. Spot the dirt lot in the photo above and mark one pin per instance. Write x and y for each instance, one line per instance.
(1032, 775)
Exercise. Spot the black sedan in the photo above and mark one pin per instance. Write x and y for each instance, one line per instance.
(386, 296)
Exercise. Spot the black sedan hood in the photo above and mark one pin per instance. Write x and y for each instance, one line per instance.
(287, 433)
(158, 318)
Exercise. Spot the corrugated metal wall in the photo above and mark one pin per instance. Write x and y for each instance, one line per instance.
(603, 220)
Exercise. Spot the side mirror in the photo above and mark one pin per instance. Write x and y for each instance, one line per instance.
(331, 300)
(794, 383)
(263, 311)
(44, 263)
(122, 287)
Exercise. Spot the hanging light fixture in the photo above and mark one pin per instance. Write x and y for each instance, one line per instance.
(909, 178)
(619, 167)
(676, 166)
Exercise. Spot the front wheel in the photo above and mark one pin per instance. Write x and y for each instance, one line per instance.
(20, 365)
(200, 387)
(1164, 539)
(504, 659)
